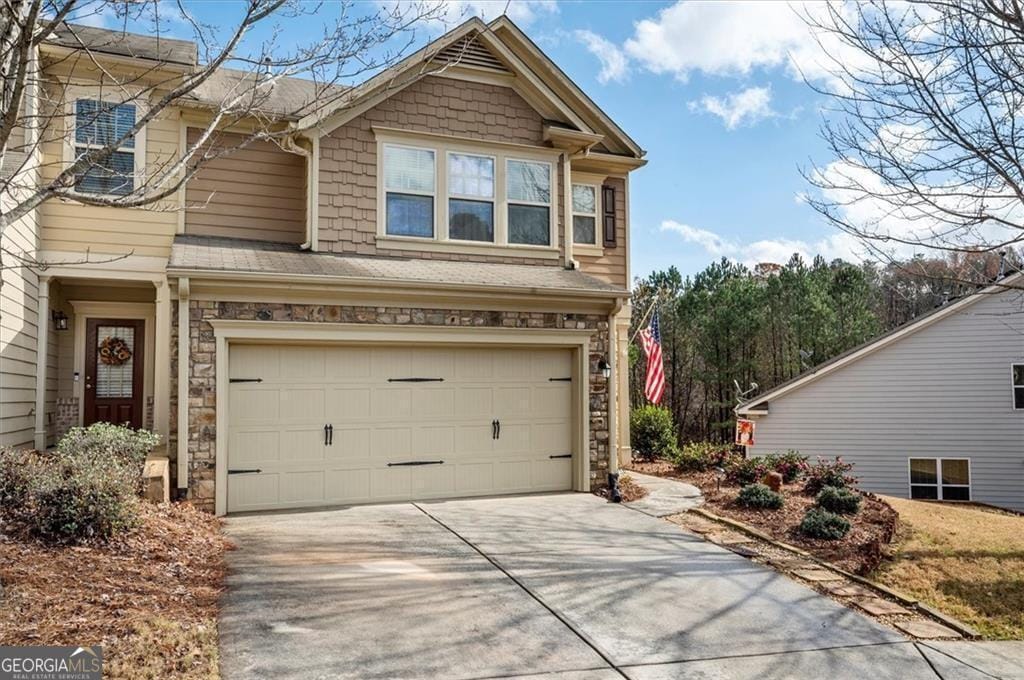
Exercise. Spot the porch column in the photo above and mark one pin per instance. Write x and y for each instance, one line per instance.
(183, 364)
(162, 361)
(42, 340)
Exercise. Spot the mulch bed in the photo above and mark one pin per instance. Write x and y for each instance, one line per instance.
(860, 551)
(148, 597)
(628, 489)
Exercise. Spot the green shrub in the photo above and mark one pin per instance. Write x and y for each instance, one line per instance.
(829, 473)
(701, 456)
(791, 465)
(743, 471)
(841, 501)
(86, 488)
(652, 432)
(819, 523)
(759, 496)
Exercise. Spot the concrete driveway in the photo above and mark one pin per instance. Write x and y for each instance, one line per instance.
(563, 587)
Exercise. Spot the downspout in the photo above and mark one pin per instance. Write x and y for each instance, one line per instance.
(183, 365)
(312, 163)
(613, 381)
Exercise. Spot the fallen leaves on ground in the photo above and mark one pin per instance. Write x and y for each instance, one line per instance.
(148, 597)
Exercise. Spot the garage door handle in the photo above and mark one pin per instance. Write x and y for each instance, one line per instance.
(416, 462)
(415, 379)
(328, 435)
(243, 472)
(561, 455)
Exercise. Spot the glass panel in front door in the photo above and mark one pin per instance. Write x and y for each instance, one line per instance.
(115, 365)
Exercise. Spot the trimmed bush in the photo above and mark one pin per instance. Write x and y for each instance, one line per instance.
(829, 473)
(743, 471)
(819, 523)
(652, 433)
(87, 488)
(701, 456)
(759, 496)
(841, 501)
(791, 465)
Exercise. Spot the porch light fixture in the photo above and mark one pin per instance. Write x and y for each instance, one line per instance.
(60, 320)
(605, 368)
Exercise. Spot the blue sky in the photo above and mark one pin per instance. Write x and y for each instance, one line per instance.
(713, 91)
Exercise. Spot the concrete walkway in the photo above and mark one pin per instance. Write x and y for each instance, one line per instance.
(664, 496)
(560, 587)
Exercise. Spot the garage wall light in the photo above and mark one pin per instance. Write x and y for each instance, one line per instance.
(604, 367)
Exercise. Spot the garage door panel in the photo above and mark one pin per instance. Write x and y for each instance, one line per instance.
(302, 488)
(277, 426)
(303, 405)
(349, 444)
(390, 444)
(390, 403)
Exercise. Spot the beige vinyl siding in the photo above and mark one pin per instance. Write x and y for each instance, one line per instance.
(610, 265)
(71, 226)
(258, 192)
(18, 324)
(942, 392)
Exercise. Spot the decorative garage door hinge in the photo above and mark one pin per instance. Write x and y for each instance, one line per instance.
(560, 379)
(244, 380)
(562, 455)
(415, 379)
(244, 472)
(416, 462)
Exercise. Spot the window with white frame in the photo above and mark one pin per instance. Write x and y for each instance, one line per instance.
(470, 197)
(940, 479)
(1017, 378)
(99, 124)
(528, 190)
(409, 187)
(584, 214)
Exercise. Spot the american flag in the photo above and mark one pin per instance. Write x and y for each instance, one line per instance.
(650, 337)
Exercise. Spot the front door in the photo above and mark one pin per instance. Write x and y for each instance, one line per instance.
(113, 371)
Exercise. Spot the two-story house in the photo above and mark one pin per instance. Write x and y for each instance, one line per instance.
(423, 295)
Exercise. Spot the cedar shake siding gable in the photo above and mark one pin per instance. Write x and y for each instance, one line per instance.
(432, 105)
(258, 192)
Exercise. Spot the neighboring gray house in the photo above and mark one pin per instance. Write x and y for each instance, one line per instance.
(931, 410)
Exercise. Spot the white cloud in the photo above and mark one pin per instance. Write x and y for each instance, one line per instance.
(523, 12)
(614, 63)
(777, 250)
(745, 107)
(734, 38)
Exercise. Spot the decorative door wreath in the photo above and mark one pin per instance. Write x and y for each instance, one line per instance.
(114, 351)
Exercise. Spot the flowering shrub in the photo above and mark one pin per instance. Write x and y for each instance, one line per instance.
(829, 473)
(791, 465)
(702, 456)
(743, 471)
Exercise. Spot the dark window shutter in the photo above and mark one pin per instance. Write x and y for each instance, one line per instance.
(608, 215)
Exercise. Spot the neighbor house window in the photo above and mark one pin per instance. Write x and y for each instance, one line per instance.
(470, 197)
(942, 479)
(99, 124)
(528, 188)
(1018, 386)
(409, 191)
(584, 214)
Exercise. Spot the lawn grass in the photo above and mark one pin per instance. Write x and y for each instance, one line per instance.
(965, 560)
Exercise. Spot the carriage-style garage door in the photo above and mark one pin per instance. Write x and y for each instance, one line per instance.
(322, 425)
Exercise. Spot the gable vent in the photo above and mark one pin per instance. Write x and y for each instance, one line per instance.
(470, 52)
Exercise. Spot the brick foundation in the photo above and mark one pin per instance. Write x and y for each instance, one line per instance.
(202, 371)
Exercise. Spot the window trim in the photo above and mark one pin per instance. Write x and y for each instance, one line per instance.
(500, 151)
(449, 195)
(383, 206)
(508, 203)
(1014, 386)
(73, 93)
(596, 215)
(938, 479)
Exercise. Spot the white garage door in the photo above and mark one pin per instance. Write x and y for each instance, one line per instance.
(325, 425)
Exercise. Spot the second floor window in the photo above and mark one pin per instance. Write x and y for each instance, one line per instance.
(99, 124)
(584, 214)
(1018, 386)
(529, 202)
(409, 186)
(470, 197)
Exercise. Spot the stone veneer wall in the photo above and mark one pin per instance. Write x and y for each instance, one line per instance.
(202, 410)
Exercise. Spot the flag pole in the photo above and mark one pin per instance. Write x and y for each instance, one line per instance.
(659, 298)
